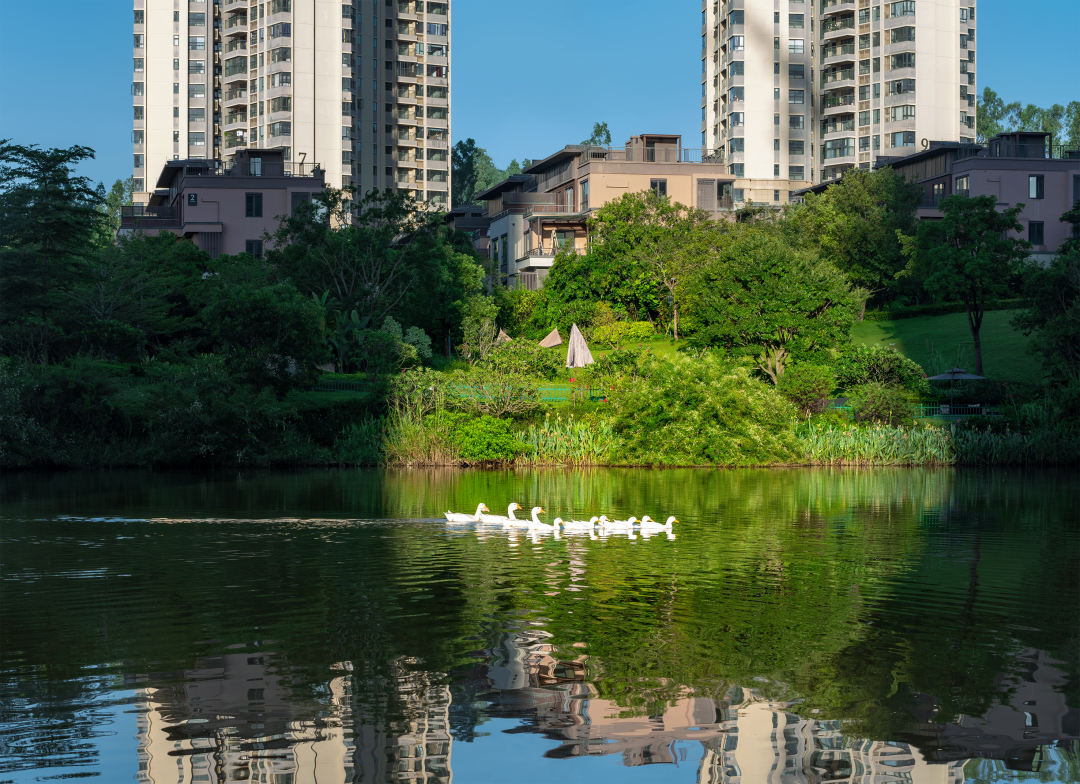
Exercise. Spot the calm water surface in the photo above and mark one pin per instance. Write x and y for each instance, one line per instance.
(325, 627)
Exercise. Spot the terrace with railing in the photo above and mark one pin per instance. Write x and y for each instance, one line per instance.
(839, 75)
(832, 25)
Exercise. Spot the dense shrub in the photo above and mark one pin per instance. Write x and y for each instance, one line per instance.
(875, 402)
(700, 412)
(619, 332)
(879, 365)
(808, 387)
(487, 439)
(523, 357)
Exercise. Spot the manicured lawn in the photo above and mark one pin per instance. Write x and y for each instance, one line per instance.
(1004, 355)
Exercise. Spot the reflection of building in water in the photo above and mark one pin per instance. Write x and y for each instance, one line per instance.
(236, 718)
(773, 746)
(1036, 714)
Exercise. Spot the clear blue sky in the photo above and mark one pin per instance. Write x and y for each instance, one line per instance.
(529, 75)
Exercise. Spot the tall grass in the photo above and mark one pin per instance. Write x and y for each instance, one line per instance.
(827, 444)
(567, 442)
(419, 428)
(1039, 447)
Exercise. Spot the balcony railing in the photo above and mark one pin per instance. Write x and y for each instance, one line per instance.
(1013, 150)
(827, 4)
(846, 125)
(833, 51)
(837, 76)
(554, 249)
(648, 154)
(232, 95)
(235, 21)
(832, 25)
(833, 101)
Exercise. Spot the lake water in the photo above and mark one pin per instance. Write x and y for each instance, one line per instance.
(327, 626)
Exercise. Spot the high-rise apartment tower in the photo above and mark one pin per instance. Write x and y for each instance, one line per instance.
(797, 92)
(361, 88)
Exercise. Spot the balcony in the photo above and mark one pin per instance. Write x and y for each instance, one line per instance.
(837, 103)
(839, 5)
(237, 20)
(841, 75)
(838, 54)
(832, 28)
(232, 96)
(842, 124)
(233, 119)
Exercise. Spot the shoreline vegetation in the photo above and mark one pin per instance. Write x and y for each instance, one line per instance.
(372, 333)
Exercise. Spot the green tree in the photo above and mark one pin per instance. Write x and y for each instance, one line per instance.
(969, 256)
(369, 261)
(1053, 319)
(270, 336)
(49, 218)
(463, 173)
(854, 223)
(1072, 123)
(119, 195)
(991, 114)
(758, 297)
(659, 236)
(600, 135)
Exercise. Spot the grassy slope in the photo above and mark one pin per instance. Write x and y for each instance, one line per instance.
(1004, 356)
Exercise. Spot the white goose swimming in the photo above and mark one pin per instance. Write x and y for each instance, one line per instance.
(508, 520)
(617, 525)
(536, 525)
(459, 517)
(580, 525)
(648, 524)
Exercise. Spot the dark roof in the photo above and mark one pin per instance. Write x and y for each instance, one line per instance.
(505, 185)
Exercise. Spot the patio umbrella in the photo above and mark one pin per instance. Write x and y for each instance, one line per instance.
(952, 375)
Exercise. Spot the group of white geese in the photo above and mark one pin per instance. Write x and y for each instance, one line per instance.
(601, 525)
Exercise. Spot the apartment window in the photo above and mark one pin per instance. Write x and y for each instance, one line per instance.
(864, 143)
(876, 15)
(585, 195)
(795, 121)
(796, 173)
(736, 169)
(776, 170)
(1035, 233)
(196, 90)
(659, 187)
(140, 17)
(736, 67)
(902, 113)
(1035, 187)
(282, 54)
(776, 119)
(864, 118)
(902, 139)
(197, 20)
(176, 64)
(795, 45)
(962, 188)
(795, 96)
(776, 195)
(838, 148)
(197, 139)
(138, 63)
(903, 60)
(904, 8)
(139, 161)
(737, 119)
(436, 29)
(283, 104)
(876, 142)
(875, 40)
(279, 129)
(196, 42)
(140, 41)
(776, 145)
(900, 34)
(864, 16)
(864, 41)
(864, 93)
(138, 112)
(776, 17)
(255, 248)
(137, 184)
(136, 88)
(176, 40)
(963, 40)
(253, 201)
(796, 147)
(736, 145)
(346, 107)
(281, 79)
(864, 66)
(736, 18)
(796, 71)
(901, 86)
(196, 66)
(279, 6)
(737, 43)
(176, 137)
(735, 94)
(876, 92)
(795, 20)
(877, 116)
(137, 136)
(776, 93)
(176, 111)
(196, 115)
(284, 30)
